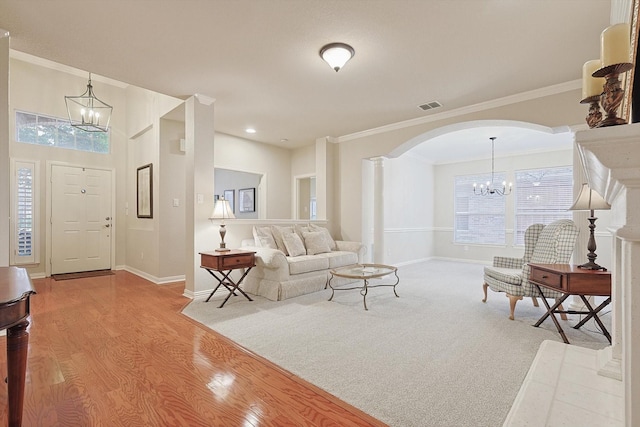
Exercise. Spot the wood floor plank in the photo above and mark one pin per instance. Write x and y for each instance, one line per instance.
(116, 351)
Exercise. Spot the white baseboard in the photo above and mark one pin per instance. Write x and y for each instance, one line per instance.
(154, 279)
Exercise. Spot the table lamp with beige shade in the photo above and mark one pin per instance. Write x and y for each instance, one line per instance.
(221, 211)
(590, 200)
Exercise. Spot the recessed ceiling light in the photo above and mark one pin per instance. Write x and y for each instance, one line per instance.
(250, 130)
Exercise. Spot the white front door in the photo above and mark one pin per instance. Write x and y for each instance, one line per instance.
(80, 219)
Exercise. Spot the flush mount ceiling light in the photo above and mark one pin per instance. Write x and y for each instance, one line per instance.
(337, 54)
(87, 112)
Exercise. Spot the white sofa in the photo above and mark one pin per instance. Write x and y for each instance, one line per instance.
(285, 269)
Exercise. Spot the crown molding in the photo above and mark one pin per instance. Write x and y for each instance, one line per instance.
(45, 63)
(499, 102)
(204, 99)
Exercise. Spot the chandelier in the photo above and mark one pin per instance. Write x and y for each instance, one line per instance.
(87, 112)
(489, 188)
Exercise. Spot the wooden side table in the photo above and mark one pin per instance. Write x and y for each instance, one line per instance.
(572, 280)
(15, 290)
(221, 264)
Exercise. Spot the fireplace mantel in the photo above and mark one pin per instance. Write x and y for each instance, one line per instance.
(611, 159)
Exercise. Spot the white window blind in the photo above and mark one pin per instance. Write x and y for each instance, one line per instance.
(24, 213)
(479, 219)
(542, 196)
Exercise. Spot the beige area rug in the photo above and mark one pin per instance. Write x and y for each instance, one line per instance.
(436, 356)
(82, 274)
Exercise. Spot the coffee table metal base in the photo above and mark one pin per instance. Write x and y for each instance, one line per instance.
(365, 277)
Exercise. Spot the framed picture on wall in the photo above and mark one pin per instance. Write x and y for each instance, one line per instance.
(230, 196)
(144, 182)
(247, 200)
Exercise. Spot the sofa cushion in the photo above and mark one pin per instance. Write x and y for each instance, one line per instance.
(263, 238)
(307, 263)
(339, 258)
(508, 275)
(294, 244)
(327, 235)
(315, 242)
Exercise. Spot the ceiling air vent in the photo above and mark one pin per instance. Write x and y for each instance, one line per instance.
(430, 105)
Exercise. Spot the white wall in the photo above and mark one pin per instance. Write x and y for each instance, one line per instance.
(144, 255)
(408, 209)
(171, 173)
(39, 89)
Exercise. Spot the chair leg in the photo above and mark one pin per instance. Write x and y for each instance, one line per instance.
(563, 316)
(535, 301)
(512, 304)
(484, 288)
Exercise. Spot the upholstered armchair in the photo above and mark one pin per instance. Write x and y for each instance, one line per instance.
(550, 244)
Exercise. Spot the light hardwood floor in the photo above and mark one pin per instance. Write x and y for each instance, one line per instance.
(115, 351)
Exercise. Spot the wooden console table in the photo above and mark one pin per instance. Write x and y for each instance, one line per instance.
(571, 280)
(221, 264)
(15, 290)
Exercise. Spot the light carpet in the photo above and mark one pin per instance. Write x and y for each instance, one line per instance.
(435, 356)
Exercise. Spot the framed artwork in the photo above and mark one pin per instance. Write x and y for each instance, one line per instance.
(247, 200)
(230, 196)
(144, 182)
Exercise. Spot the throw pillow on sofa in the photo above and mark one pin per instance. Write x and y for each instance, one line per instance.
(294, 244)
(264, 238)
(278, 232)
(315, 242)
(327, 236)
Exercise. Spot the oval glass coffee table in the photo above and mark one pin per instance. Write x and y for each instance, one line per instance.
(364, 272)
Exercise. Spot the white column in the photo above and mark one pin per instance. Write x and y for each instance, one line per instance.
(378, 210)
(629, 298)
(201, 234)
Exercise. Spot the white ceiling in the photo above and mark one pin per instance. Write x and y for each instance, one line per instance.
(259, 58)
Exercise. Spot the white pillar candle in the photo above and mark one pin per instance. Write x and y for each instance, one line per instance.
(615, 45)
(591, 86)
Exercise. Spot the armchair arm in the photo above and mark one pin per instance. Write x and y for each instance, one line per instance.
(507, 262)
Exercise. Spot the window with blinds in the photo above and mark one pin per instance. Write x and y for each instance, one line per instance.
(542, 196)
(479, 219)
(24, 208)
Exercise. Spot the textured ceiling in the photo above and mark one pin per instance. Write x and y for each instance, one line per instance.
(259, 58)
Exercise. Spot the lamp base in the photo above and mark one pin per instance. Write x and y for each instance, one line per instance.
(222, 250)
(592, 266)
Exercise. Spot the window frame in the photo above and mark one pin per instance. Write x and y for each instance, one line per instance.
(482, 212)
(57, 132)
(545, 216)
